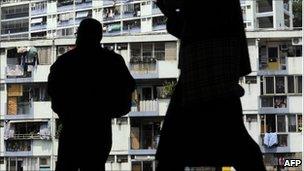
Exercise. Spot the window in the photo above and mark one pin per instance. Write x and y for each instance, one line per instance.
(265, 22)
(147, 50)
(263, 123)
(159, 51)
(267, 101)
(280, 85)
(269, 85)
(294, 51)
(135, 51)
(270, 123)
(44, 55)
(299, 123)
(65, 32)
(14, 26)
(122, 158)
(280, 102)
(264, 6)
(281, 123)
(251, 118)
(272, 54)
(282, 140)
(299, 83)
(292, 123)
(250, 79)
(291, 88)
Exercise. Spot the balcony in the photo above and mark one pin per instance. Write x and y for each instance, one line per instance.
(111, 13)
(29, 110)
(131, 11)
(27, 130)
(159, 69)
(16, 74)
(27, 148)
(145, 135)
(286, 143)
(18, 148)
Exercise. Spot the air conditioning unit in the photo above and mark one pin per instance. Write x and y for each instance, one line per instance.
(62, 50)
(297, 41)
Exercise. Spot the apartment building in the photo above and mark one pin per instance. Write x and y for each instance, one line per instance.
(34, 33)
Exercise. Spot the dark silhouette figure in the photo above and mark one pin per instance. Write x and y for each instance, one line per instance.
(89, 86)
(204, 123)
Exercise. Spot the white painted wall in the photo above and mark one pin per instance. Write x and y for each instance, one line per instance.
(3, 64)
(253, 129)
(167, 69)
(163, 106)
(121, 137)
(42, 147)
(40, 74)
(295, 104)
(146, 8)
(250, 101)
(51, 11)
(42, 110)
(294, 65)
(253, 53)
(295, 142)
(278, 14)
(146, 25)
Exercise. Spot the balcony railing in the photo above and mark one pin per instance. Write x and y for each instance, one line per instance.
(38, 11)
(84, 5)
(38, 27)
(145, 106)
(159, 27)
(65, 23)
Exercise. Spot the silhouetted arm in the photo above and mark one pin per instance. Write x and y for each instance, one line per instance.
(54, 89)
(126, 86)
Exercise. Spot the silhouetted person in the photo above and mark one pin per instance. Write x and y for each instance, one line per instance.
(204, 125)
(88, 86)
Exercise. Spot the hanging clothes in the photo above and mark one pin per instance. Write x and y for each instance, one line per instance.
(270, 139)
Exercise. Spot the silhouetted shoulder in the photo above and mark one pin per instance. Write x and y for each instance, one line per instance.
(114, 56)
(64, 59)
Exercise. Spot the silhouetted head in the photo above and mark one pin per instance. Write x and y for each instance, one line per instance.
(89, 33)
